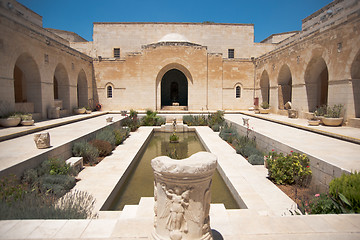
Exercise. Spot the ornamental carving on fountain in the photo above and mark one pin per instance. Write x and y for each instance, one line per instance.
(182, 196)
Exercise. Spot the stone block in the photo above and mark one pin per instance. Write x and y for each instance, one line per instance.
(53, 112)
(42, 140)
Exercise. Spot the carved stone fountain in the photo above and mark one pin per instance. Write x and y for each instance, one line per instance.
(182, 197)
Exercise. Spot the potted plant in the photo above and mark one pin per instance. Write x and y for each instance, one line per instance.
(79, 110)
(314, 121)
(174, 138)
(332, 116)
(26, 120)
(265, 108)
(320, 113)
(88, 110)
(10, 120)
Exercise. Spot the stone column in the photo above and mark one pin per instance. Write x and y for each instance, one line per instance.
(182, 197)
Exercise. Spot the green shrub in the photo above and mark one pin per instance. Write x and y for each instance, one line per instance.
(150, 119)
(228, 133)
(195, 120)
(215, 127)
(121, 134)
(334, 111)
(265, 105)
(347, 186)
(107, 135)
(289, 169)
(216, 118)
(104, 148)
(11, 190)
(161, 121)
(250, 150)
(74, 205)
(256, 159)
(56, 184)
(30, 176)
(321, 204)
(132, 121)
(87, 151)
(174, 138)
(54, 166)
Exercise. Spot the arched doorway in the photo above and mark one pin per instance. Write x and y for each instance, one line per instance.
(265, 87)
(82, 90)
(284, 86)
(174, 88)
(61, 87)
(316, 81)
(355, 78)
(27, 84)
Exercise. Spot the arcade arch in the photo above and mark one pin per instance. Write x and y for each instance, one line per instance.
(284, 86)
(316, 82)
(61, 86)
(265, 87)
(355, 78)
(82, 90)
(27, 82)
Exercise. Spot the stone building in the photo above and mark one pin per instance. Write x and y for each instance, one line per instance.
(182, 66)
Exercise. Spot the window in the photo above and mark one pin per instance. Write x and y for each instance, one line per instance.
(109, 91)
(231, 53)
(238, 92)
(116, 52)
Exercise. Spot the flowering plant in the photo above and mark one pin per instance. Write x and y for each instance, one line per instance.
(288, 169)
(98, 107)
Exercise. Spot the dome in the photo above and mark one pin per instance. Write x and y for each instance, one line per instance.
(173, 37)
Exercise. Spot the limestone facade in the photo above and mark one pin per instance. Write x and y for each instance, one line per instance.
(198, 66)
(31, 58)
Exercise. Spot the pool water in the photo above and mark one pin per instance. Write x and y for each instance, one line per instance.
(140, 182)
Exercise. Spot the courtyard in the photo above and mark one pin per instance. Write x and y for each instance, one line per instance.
(265, 208)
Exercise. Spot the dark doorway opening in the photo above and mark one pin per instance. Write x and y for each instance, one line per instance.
(174, 89)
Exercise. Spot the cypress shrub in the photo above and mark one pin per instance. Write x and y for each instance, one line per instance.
(104, 148)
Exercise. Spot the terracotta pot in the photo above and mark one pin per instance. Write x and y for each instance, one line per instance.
(10, 122)
(79, 110)
(264, 111)
(314, 122)
(332, 121)
(27, 122)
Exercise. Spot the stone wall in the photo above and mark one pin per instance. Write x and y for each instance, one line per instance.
(334, 49)
(218, 38)
(40, 56)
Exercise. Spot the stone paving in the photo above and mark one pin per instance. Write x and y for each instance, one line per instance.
(343, 154)
(261, 220)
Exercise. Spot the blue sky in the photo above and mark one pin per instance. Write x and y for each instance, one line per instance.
(268, 16)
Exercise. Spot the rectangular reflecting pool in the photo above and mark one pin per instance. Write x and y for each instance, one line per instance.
(140, 182)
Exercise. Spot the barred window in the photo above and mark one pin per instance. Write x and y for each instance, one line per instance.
(109, 91)
(116, 52)
(231, 53)
(238, 92)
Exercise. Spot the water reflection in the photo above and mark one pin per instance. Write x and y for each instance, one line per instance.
(140, 182)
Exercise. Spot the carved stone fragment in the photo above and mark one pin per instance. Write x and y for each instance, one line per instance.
(42, 140)
(182, 197)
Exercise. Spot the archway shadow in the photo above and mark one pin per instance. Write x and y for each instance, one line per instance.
(216, 235)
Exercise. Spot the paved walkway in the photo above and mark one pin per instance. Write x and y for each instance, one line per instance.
(344, 132)
(136, 222)
(18, 150)
(13, 132)
(340, 153)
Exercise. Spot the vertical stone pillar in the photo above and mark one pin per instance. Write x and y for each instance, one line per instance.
(182, 197)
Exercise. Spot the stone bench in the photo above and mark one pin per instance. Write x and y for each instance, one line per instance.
(76, 162)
